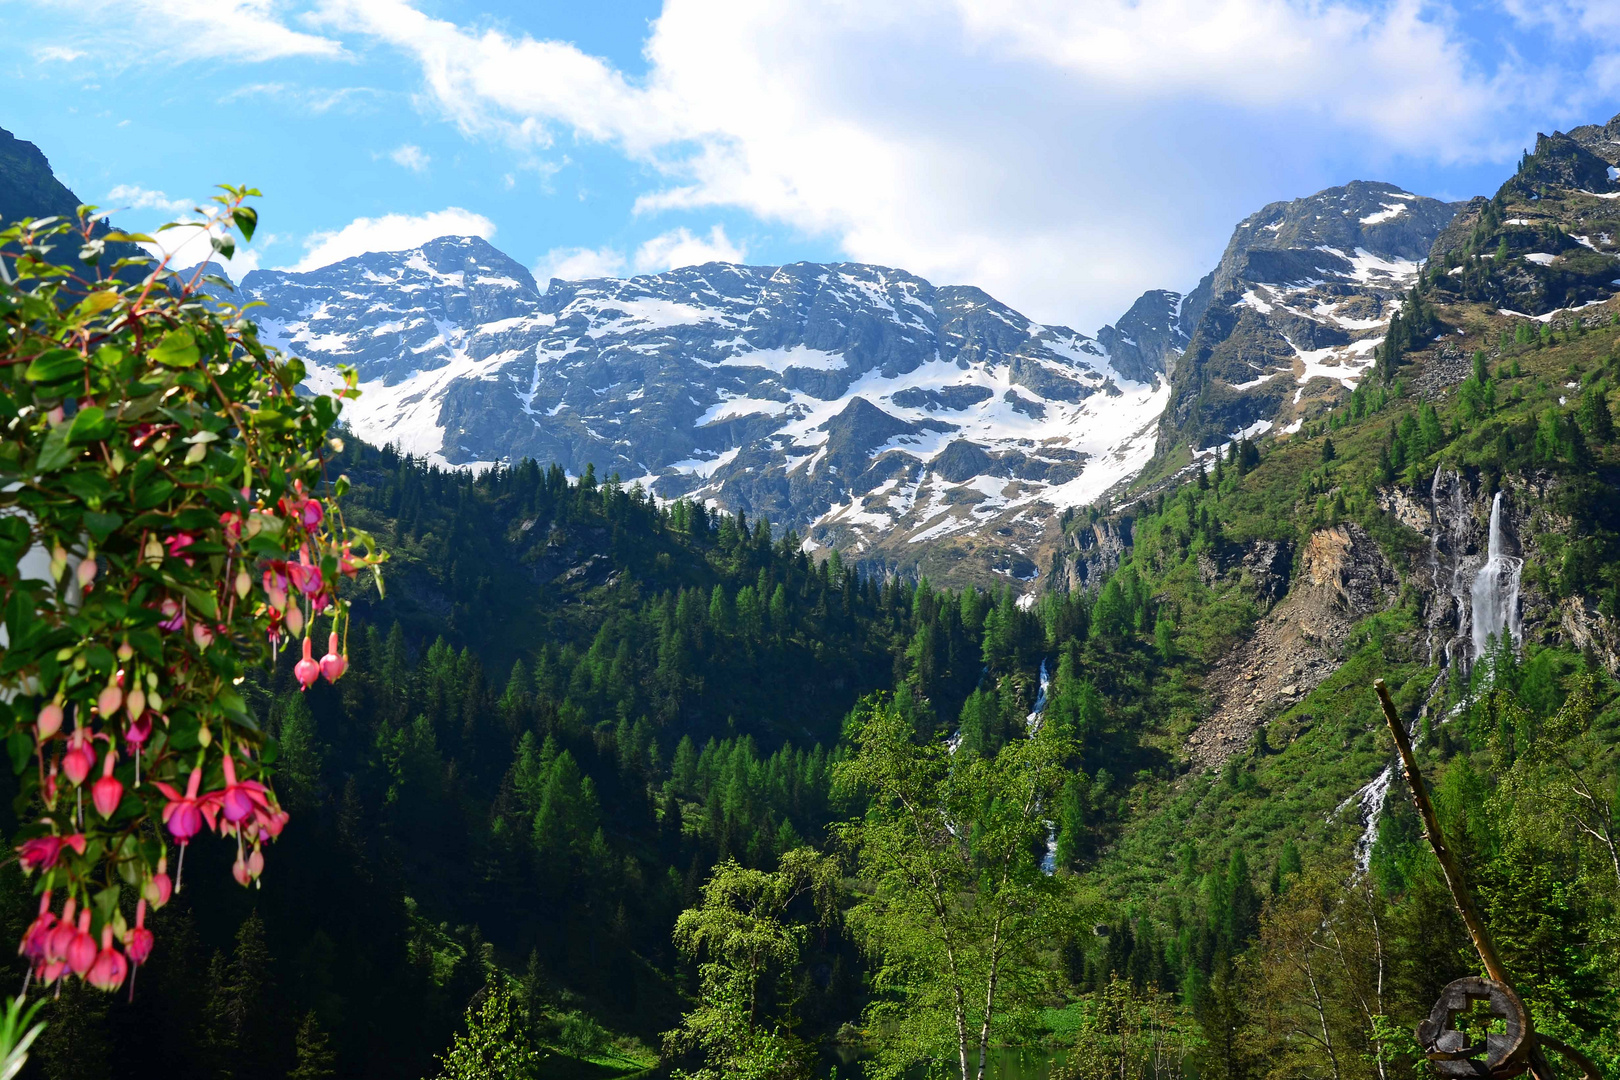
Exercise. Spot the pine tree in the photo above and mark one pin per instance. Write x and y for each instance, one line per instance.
(313, 1058)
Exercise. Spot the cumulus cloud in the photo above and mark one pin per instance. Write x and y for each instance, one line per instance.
(410, 157)
(391, 232)
(1045, 150)
(577, 263)
(679, 247)
(135, 197)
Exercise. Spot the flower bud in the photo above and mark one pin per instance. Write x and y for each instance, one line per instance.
(109, 699)
(50, 720)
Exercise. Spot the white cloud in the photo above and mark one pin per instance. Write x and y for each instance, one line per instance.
(135, 197)
(189, 245)
(1045, 150)
(410, 157)
(170, 30)
(391, 232)
(59, 53)
(679, 247)
(576, 263)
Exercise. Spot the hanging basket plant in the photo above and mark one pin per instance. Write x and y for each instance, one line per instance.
(166, 524)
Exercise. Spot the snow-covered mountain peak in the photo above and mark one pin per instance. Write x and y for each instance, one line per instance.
(860, 404)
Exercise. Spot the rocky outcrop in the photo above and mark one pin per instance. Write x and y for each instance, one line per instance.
(1343, 576)
(1094, 551)
(1146, 342)
(1345, 562)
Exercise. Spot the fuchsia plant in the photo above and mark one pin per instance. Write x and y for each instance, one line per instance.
(165, 524)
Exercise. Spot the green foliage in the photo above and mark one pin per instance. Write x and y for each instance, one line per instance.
(749, 947)
(158, 538)
(495, 1046)
(952, 905)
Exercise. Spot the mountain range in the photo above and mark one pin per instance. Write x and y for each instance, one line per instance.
(914, 427)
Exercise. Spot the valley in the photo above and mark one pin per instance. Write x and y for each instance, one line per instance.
(702, 581)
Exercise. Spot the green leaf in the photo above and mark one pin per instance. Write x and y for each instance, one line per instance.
(101, 525)
(90, 486)
(14, 540)
(225, 245)
(247, 219)
(89, 424)
(202, 599)
(178, 349)
(21, 748)
(98, 301)
(54, 365)
(56, 452)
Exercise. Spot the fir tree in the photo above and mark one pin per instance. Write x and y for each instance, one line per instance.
(313, 1057)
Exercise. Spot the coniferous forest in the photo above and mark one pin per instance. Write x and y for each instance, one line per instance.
(579, 715)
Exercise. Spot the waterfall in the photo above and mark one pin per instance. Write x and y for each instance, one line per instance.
(1032, 722)
(1496, 590)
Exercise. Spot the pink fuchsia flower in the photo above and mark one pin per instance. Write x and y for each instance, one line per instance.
(177, 545)
(81, 951)
(306, 671)
(174, 616)
(332, 664)
(42, 852)
(110, 968)
(241, 800)
(275, 585)
(138, 942)
(138, 731)
(108, 791)
(231, 521)
(158, 887)
(305, 577)
(86, 574)
(110, 698)
(311, 513)
(202, 635)
(184, 813)
(49, 721)
(36, 938)
(79, 758)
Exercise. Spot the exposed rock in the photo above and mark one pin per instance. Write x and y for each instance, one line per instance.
(1343, 576)
(1094, 552)
(1346, 561)
(1148, 339)
(1266, 565)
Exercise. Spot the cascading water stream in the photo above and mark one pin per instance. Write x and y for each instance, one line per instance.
(1496, 591)
(1488, 606)
(1032, 724)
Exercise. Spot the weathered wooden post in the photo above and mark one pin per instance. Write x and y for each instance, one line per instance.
(1502, 1054)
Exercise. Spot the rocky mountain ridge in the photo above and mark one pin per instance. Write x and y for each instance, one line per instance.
(904, 423)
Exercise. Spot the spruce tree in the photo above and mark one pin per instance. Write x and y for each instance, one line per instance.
(313, 1057)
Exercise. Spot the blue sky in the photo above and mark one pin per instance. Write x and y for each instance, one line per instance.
(1062, 154)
